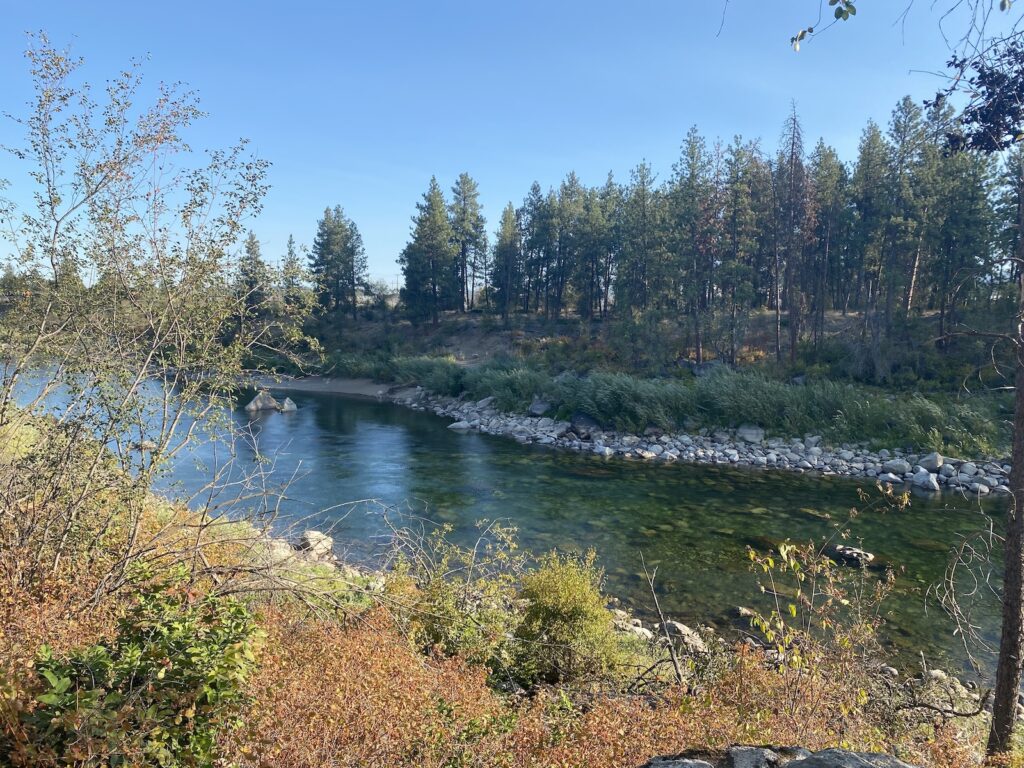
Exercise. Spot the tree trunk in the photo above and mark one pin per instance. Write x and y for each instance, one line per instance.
(1011, 643)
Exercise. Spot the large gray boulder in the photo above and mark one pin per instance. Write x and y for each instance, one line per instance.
(460, 426)
(926, 480)
(288, 406)
(263, 401)
(841, 758)
(750, 433)
(752, 757)
(932, 462)
(897, 466)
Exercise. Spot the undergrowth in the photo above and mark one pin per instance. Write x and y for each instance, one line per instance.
(974, 425)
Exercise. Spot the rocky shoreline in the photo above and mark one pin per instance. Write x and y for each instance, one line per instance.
(746, 446)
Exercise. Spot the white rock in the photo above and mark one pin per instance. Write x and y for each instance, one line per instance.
(459, 426)
(263, 401)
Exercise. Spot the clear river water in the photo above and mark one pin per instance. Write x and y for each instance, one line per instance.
(692, 522)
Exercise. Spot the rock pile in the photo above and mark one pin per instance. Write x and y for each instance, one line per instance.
(746, 446)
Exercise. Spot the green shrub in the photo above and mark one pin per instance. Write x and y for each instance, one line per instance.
(158, 693)
(513, 388)
(566, 633)
(456, 600)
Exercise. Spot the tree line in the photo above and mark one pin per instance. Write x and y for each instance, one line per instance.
(907, 227)
(733, 229)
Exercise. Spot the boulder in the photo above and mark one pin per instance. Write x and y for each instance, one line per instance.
(263, 401)
(932, 462)
(844, 553)
(288, 406)
(889, 477)
(896, 466)
(584, 425)
(925, 480)
(688, 638)
(841, 758)
(752, 757)
(460, 426)
(750, 433)
(317, 545)
(538, 407)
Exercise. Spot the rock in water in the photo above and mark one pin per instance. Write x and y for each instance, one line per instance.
(460, 426)
(749, 433)
(264, 401)
(318, 545)
(852, 555)
(288, 406)
(926, 480)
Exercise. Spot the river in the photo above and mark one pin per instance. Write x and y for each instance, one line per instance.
(691, 522)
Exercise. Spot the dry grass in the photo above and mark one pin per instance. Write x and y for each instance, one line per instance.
(327, 695)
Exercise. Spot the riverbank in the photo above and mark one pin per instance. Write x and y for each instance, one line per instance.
(745, 446)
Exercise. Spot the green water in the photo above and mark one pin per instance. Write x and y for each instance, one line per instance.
(692, 522)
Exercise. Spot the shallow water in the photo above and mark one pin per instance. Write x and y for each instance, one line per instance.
(692, 522)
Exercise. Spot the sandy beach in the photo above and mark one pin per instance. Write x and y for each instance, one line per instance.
(322, 384)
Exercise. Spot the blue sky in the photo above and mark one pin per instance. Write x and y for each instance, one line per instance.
(359, 104)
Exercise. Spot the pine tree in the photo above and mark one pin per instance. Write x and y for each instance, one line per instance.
(253, 284)
(338, 263)
(793, 226)
(470, 239)
(428, 261)
(507, 266)
(693, 230)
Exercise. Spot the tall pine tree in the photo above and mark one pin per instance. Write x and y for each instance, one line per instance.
(429, 260)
